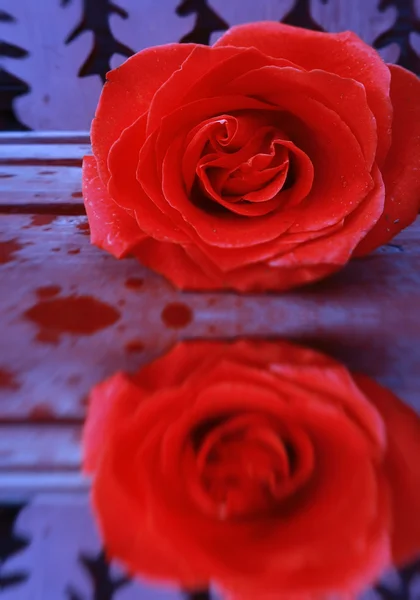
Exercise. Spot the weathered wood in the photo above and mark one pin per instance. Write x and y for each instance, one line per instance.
(42, 184)
(39, 447)
(24, 138)
(44, 137)
(22, 486)
(72, 315)
(38, 174)
(46, 154)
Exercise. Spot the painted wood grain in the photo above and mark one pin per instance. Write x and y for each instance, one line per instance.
(61, 154)
(44, 137)
(25, 485)
(39, 184)
(72, 315)
(34, 447)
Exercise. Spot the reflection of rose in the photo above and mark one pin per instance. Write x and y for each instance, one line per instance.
(263, 162)
(261, 466)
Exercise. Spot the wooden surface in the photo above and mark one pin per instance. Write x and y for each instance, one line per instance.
(71, 315)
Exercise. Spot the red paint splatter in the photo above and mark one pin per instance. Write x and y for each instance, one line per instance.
(41, 220)
(211, 301)
(48, 336)
(211, 329)
(134, 346)
(134, 283)
(8, 250)
(41, 412)
(78, 315)
(84, 228)
(121, 302)
(77, 195)
(8, 380)
(48, 291)
(73, 251)
(177, 315)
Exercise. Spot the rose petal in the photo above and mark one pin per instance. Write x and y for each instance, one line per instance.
(217, 130)
(292, 546)
(111, 403)
(179, 365)
(128, 92)
(173, 261)
(174, 201)
(132, 539)
(111, 227)
(344, 54)
(401, 466)
(341, 173)
(333, 537)
(304, 263)
(172, 93)
(401, 171)
(336, 248)
(203, 75)
(125, 188)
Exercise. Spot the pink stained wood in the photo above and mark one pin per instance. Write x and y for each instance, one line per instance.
(44, 154)
(42, 183)
(24, 138)
(72, 315)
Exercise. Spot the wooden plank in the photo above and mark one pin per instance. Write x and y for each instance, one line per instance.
(39, 448)
(47, 154)
(72, 315)
(21, 486)
(40, 185)
(44, 137)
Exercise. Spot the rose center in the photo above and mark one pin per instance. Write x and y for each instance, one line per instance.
(246, 466)
(246, 181)
(244, 164)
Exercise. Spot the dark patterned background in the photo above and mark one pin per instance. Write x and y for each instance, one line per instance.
(206, 21)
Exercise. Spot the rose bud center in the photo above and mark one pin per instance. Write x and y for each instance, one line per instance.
(248, 465)
(245, 165)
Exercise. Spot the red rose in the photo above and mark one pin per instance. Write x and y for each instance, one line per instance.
(263, 162)
(263, 467)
